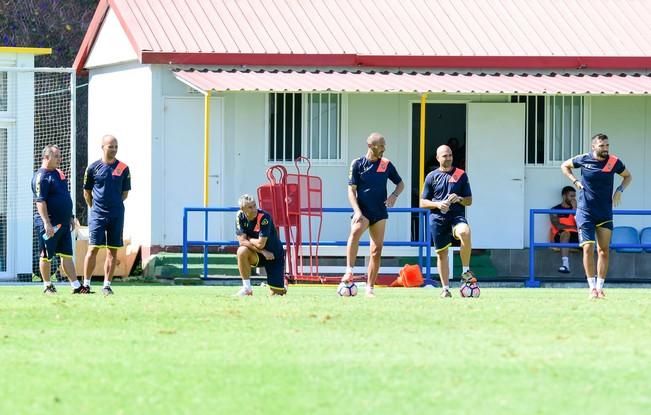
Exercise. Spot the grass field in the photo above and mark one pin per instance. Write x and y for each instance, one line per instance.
(171, 350)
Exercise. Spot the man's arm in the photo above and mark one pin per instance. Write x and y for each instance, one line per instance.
(391, 200)
(88, 197)
(555, 222)
(617, 197)
(566, 168)
(352, 199)
(41, 207)
(124, 195)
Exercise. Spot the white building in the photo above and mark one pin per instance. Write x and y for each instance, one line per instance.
(521, 85)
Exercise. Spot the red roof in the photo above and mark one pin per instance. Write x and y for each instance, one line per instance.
(396, 33)
(417, 82)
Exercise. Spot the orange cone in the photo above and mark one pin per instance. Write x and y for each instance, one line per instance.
(410, 276)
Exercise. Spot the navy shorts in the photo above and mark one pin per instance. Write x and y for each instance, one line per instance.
(588, 226)
(275, 271)
(442, 228)
(105, 231)
(59, 244)
(374, 216)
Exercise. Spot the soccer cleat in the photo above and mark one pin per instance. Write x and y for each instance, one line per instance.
(468, 277)
(601, 294)
(370, 292)
(348, 277)
(243, 292)
(594, 293)
(49, 290)
(82, 289)
(107, 290)
(563, 269)
(446, 294)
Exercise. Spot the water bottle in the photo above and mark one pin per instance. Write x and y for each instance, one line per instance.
(56, 229)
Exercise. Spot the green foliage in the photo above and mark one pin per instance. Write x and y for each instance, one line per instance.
(57, 24)
(170, 350)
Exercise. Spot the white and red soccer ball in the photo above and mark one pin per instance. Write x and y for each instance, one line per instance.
(347, 289)
(469, 290)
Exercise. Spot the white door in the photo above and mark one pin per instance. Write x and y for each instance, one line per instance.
(495, 166)
(183, 147)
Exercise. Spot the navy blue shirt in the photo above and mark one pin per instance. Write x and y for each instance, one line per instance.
(439, 184)
(371, 177)
(51, 187)
(596, 198)
(107, 181)
(260, 227)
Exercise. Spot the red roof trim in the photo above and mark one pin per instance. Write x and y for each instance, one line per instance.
(89, 37)
(93, 31)
(522, 62)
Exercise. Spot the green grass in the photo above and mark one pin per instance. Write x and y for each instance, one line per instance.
(172, 350)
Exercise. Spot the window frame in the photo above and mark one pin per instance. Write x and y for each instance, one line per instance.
(304, 134)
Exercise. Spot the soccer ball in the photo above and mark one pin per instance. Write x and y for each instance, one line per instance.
(470, 290)
(347, 289)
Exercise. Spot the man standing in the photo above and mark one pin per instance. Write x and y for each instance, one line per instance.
(367, 194)
(447, 192)
(54, 220)
(259, 246)
(594, 215)
(106, 185)
(563, 226)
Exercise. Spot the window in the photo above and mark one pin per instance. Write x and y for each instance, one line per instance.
(4, 95)
(305, 125)
(554, 128)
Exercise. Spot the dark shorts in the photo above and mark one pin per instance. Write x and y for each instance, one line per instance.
(275, 271)
(574, 237)
(59, 244)
(588, 226)
(374, 216)
(105, 231)
(442, 230)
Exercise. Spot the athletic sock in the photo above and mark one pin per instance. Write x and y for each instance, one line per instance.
(107, 283)
(247, 284)
(566, 262)
(75, 284)
(600, 283)
(446, 288)
(349, 271)
(47, 283)
(86, 282)
(465, 269)
(591, 282)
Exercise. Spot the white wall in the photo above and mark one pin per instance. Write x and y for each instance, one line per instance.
(120, 103)
(111, 45)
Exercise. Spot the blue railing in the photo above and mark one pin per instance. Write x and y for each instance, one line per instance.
(423, 242)
(532, 281)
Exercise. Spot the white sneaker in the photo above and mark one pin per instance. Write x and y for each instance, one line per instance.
(370, 292)
(243, 292)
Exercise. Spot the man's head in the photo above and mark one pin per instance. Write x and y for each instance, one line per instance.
(376, 145)
(109, 147)
(600, 145)
(248, 206)
(569, 195)
(444, 157)
(51, 157)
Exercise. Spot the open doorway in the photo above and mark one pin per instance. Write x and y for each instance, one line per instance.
(444, 124)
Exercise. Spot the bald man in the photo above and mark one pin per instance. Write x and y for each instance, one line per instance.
(446, 193)
(367, 194)
(106, 185)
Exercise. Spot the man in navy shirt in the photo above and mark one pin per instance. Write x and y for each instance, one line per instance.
(447, 192)
(563, 226)
(54, 220)
(367, 194)
(259, 246)
(594, 214)
(106, 185)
